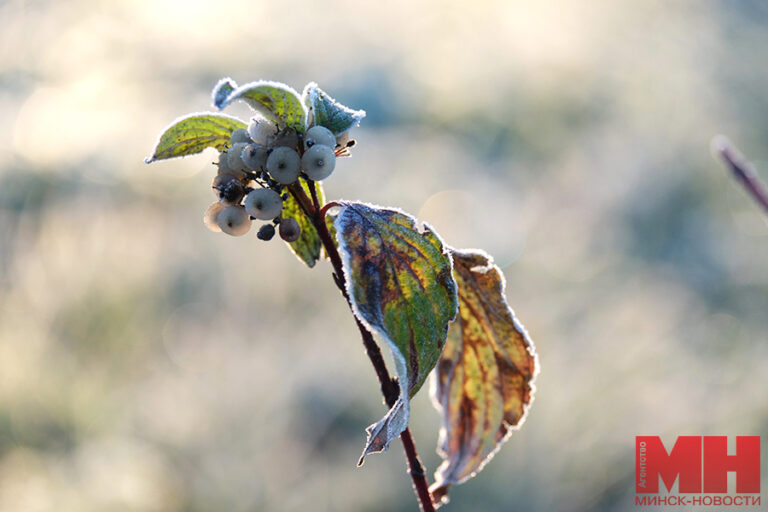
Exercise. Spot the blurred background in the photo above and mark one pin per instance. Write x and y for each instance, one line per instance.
(147, 364)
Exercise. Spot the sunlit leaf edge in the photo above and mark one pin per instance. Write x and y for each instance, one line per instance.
(224, 142)
(236, 92)
(442, 488)
(309, 96)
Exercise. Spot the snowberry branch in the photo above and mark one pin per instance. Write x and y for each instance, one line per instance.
(261, 166)
(389, 387)
(742, 170)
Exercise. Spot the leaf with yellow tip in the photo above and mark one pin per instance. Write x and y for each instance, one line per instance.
(193, 133)
(274, 100)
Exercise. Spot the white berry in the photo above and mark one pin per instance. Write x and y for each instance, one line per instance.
(320, 135)
(240, 135)
(234, 160)
(318, 162)
(223, 166)
(254, 156)
(283, 165)
(211, 215)
(261, 130)
(225, 169)
(263, 204)
(233, 220)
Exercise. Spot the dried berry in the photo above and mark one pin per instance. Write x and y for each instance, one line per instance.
(290, 230)
(266, 232)
(228, 189)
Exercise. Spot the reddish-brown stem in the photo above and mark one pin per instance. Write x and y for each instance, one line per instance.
(389, 386)
(304, 203)
(326, 207)
(743, 171)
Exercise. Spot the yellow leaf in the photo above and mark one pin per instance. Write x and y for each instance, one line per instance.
(484, 380)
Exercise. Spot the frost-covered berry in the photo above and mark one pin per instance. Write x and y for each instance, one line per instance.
(234, 160)
(318, 162)
(228, 189)
(261, 130)
(263, 204)
(233, 220)
(222, 163)
(254, 156)
(283, 165)
(211, 215)
(320, 135)
(225, 169)
(266, 232)
(240, 135)
(289, 230)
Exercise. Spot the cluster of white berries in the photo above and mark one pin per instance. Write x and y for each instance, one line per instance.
(254, 171)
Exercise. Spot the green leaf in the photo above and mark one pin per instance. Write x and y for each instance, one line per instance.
(273, 100)
(222, 90)
(193, 133)
(309, 245)
(325, 111)
(484, 380)
(400, 283)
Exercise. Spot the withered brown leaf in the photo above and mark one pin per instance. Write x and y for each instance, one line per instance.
(483, 382)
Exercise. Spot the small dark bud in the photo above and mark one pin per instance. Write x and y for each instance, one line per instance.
(266, 232)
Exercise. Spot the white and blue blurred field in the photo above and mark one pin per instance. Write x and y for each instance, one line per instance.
(147, 364)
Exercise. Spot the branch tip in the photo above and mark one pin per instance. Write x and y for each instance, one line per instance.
(742, 170)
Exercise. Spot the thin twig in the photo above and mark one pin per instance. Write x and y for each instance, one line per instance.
(389, 387)
(743, 170)
(326, 207)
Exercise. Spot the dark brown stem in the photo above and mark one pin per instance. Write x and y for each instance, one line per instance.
(416, 470)
(389, 386)
(313, 193)
(742, 170)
